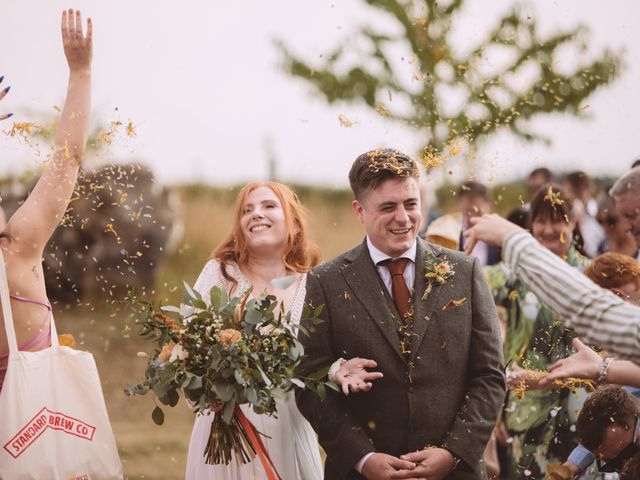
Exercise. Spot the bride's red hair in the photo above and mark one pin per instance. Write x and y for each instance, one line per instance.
(300, 254)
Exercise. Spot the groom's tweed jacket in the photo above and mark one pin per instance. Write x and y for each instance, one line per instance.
(447, 393)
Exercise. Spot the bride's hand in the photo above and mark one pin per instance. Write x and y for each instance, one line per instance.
(352, 376)
(3, 92)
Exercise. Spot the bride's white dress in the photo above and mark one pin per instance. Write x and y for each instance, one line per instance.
(292, 445)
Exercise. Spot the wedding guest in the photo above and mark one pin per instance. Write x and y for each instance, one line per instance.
(597, 315)
(536, 179)
(473, 199)
(621, 275)
(534, 339)
(608, 425)
(626, 193)
(580, 187)
(28, 230)
(617, 239)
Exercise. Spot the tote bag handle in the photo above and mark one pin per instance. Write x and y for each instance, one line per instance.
(6, 312)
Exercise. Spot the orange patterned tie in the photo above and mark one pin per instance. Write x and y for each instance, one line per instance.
(399, 290)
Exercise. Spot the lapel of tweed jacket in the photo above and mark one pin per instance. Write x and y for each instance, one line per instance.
(423, 309)
(361, 275)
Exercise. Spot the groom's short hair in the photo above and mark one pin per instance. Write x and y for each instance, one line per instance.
(374, 167)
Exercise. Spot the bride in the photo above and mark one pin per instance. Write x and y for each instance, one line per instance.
(269, 240)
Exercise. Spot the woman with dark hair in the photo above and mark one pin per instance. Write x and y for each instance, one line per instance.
(28, 230)
(541, 422)
(618, 238)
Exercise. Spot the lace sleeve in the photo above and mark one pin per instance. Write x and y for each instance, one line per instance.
(297, 304)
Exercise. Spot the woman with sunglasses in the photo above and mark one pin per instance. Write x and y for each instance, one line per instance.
(617, 238)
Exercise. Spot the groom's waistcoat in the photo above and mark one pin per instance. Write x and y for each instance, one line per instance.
(422, 393)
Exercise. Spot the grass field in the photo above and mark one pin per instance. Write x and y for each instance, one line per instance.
(149, 451)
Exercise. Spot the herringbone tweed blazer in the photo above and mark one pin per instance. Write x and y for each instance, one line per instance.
(446, 393)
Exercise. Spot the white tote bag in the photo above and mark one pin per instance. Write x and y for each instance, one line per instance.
(53, 419)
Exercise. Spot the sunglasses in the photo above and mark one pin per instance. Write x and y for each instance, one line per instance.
(610, 221)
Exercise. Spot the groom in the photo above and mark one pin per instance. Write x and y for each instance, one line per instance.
(426, 316)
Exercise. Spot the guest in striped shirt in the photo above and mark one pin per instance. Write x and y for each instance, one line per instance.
(599, 316)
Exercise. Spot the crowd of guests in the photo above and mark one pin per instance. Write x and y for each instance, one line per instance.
(567, 311)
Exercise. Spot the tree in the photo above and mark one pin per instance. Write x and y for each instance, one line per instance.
(492, 100)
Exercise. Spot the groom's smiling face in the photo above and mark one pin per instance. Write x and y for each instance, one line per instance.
(391, 215)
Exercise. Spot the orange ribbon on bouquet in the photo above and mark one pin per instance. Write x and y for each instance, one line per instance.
(254, 438)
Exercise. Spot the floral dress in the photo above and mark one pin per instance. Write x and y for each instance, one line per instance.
(542, 422)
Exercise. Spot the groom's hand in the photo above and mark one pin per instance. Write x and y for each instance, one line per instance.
(381, 466)
(431, 463)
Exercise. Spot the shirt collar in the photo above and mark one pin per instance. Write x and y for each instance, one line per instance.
(377, 256)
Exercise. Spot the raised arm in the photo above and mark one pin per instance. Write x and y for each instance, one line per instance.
(34, 222)
(598, 316)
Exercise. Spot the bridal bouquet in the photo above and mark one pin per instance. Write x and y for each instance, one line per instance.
(221, 354)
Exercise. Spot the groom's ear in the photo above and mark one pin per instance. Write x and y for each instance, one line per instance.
(358, 209)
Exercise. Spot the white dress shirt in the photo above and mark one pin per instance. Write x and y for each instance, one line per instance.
(409, 271)
(409, 277)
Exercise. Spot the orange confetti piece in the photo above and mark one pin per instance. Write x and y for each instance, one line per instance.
(344, 121)
(383, 110)
(66, 340)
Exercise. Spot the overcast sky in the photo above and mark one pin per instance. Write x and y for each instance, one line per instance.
(202, 82)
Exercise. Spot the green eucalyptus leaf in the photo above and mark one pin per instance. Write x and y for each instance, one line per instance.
(252, 396)
(216, 297)
(252, 316)
(224, 391)
(190, 293)
(227, 411)
(199, 304)
(170, 308)
(322, 391)
(332, 386)
(157, 416)
(195, 383)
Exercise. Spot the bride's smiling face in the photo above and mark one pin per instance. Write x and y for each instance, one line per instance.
(263, 222)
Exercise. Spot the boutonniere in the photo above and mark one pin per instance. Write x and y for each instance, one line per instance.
(436, 271)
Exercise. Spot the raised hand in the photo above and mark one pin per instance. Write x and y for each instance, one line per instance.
(352, 376)
(78, 47)
(34, 222)
(3, 92)
(585, 363)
